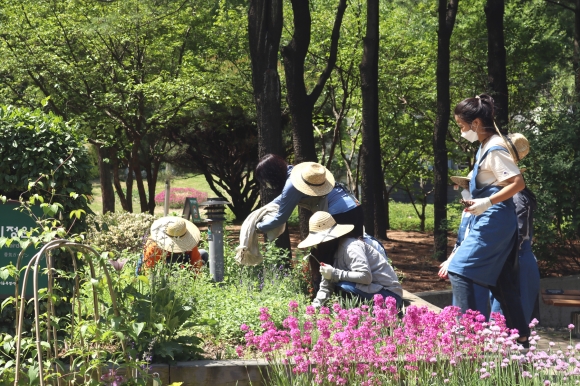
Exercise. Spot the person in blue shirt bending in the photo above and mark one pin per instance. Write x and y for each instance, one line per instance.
(311, 186)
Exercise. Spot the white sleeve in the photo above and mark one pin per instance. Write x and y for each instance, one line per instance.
(502, 165)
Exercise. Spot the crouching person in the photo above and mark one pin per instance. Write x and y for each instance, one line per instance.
(358, 269)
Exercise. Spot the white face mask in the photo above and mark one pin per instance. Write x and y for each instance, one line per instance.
(469, 135)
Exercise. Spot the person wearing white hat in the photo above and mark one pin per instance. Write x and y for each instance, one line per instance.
(173, 240)
(311, 186)
(357, 268)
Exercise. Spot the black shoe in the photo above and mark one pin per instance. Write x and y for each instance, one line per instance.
(525, 344)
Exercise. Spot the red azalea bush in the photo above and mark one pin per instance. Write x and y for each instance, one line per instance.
(177, 197)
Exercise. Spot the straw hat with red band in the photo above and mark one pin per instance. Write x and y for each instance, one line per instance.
(312, 179)
(174, 234)
(322, 228)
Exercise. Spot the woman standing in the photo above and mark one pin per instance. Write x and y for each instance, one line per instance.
(488, 253)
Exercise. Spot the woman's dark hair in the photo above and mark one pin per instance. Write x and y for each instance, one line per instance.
(325, 251)
(272, 170)
(479, 107)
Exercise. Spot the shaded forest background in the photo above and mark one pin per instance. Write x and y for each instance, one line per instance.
(364, 87)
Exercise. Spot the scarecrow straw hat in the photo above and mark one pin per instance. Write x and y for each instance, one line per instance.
(312, 179)
(321, 228)
(174, 234)
(520, 143)
(463, 182)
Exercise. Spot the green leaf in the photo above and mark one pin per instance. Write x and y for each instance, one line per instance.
(137, 328)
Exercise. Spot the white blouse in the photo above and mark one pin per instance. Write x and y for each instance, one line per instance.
(497, 167)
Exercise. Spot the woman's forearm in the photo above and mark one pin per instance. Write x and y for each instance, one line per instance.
(516, 184)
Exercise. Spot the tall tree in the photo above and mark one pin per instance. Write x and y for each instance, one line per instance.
(371, 170)
(447, 11)
(121, 66)
(300, 102)
(496, 60)
(264, 30)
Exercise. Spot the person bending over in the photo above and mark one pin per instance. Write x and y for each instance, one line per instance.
(357, 269)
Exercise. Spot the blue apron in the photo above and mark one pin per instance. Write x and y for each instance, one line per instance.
(492, 235)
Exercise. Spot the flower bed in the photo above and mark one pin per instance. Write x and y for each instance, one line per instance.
(177, 197)
(373, 346)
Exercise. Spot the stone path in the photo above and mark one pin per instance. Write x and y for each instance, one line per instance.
(560, 338)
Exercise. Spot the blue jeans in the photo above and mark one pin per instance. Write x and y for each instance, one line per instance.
(350, 288)
(506, 291)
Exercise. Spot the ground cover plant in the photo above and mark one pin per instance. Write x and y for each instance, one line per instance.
(371, 345)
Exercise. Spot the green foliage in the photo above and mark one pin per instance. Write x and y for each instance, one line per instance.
(244, 291)
(119, 231)
(42, 159)
(153, 314)
(552, 175)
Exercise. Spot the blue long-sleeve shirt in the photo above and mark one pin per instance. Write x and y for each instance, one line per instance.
(339, 201)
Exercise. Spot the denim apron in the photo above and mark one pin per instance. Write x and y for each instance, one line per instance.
(492, 235)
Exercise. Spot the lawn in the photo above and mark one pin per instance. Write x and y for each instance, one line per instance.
(183, 181)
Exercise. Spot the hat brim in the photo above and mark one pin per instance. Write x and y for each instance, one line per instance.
(302, 186)
(334, 232)
(180, 244)
(463, 182)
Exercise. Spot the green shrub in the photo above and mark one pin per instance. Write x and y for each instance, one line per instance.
(41, 154)
(552, 174)
(119, 231)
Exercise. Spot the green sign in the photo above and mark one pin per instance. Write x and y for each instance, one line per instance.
(11, 221)
(191, 209)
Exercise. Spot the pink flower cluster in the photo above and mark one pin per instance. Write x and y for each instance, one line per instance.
(373, 346)
(177, 196)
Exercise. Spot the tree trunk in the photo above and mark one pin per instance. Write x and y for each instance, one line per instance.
(264, 29)
(447, 12)
(125, 204)
(576, 58)
(386, 194)
(372, 176)
(107, 192)
(496, 60)
(301, 104)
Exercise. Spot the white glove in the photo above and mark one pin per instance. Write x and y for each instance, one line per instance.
(479, 206)
(443, 274)
(320, 300)
(326, 271)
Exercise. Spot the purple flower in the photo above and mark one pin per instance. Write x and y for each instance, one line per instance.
(118, 264)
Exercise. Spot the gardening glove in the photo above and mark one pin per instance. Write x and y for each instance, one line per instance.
(326, 271)
(479, 206)
(320, 300)
(443, 274)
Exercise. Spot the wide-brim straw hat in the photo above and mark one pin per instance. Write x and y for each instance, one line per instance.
(174, 234)
(312, 179)
(520, 143)
(321, 228)
(463, 182)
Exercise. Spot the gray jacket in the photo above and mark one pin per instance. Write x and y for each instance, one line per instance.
(357, 262)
